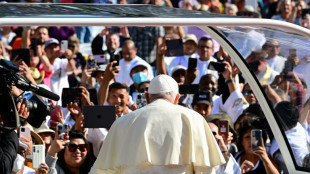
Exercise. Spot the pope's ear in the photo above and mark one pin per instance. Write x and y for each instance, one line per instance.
(176, 100)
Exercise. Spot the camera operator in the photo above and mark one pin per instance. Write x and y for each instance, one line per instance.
(9, 139)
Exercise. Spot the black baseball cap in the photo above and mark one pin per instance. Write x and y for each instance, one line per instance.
(204, 97)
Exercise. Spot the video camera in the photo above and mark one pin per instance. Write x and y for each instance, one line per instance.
(38, 109)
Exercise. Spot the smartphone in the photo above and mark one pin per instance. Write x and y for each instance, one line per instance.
(293, 52)
(256, 138)
(38, 155)
(192, 64)
(91, 63)
(53, 113)
(33, 46)
(99, 116)
(174, 48)
(223, 127)
(71, 95)
(62, 128)
(189, 89)
(140, 100)
(305, 12)
(217, 66)
(23, 54)
(64, 45)
(100, 59)
(116, 58)
(114, 30)
(24, 132)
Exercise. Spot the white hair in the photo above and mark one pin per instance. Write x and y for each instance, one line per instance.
(167, 95)
(233, 7)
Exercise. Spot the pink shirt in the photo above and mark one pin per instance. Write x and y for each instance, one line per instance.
(47, 76)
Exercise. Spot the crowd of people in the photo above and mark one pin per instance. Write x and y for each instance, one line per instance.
(129, 61)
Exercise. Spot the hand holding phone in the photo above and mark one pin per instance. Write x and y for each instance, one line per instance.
(256, 138)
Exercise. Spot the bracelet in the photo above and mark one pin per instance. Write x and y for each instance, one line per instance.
(224, 151)
(229, 81)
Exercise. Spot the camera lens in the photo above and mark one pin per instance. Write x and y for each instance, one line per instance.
(32, 105)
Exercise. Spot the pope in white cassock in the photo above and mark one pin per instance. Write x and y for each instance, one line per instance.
(161, 137)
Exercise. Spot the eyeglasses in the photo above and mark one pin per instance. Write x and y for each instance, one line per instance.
(74, 147)
(247, 92)
(142, 90)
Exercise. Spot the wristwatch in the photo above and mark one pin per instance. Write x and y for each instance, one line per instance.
(230, 80)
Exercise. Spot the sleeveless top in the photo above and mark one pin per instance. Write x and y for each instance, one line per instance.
(258, 168)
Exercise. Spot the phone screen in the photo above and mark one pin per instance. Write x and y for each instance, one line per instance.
(141, 101)
(174, 48)
(256, 138)
(91, 63)
(71, 95)
(62, 128)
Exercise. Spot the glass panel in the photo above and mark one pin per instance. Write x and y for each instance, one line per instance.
(281, 61)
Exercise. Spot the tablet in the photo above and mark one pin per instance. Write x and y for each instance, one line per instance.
(99, 116)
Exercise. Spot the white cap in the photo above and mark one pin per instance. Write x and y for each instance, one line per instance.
(163, 84)
(51, 41)
(138, 63)
(175, 68)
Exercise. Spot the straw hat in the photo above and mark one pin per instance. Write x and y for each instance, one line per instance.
(44, 129)
(37, 76)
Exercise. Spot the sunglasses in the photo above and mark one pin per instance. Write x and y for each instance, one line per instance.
(74, 147)
(247, 92)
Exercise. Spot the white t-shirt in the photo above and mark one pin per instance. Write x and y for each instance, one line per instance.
(202, 67)
(59, 78)
(123, 74)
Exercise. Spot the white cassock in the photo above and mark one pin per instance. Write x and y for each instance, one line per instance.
(159, 138)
